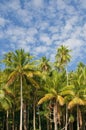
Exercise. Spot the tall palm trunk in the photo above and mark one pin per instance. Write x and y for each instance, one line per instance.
(55, 116)
(77, 117)
(21, 102)
(66, 117)
(34, 117)
(25, 117)
(7, 120)
(39, 119)
(66, 104)
(27, 114)
(13, 120)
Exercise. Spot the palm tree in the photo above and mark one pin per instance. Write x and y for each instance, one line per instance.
(5, 92)
(19, 64)
(44, 65)
(5, 96)
(53, 93)
(62, 58)
(79, 96)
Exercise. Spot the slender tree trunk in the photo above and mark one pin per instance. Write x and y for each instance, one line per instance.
(7, 120)
(55, 116)
(47, 124)
(13, 120)
(77, 117)
(39, 119)
(21, 103)
(50, 123)
(39, 122)
(66, 117)
(25, 127)
(27, 116)
(66, 104)
(34, 117)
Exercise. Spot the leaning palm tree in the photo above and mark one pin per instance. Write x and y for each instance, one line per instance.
(19, 65)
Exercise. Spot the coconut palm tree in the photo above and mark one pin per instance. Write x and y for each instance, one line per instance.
(19, 65)
(79, 96)
(53, 90)
(62, 58)
(5, 92)
(44, 65)
(5, 96)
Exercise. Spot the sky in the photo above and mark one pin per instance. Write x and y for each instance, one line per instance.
(41, 26)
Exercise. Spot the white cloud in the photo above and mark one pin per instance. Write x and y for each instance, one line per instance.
(37, 3)
(61, 4)
(24, 46)
(45, 38)
(82, 3)
(40, 49)
(73, 43)
(40, 26)
(76, 46)
(3, 22)
(13, 5)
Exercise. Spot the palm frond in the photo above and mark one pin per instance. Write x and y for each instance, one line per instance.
(33, 82)
(76, 101)
(11, 78)
(45, 98)
(60, 99)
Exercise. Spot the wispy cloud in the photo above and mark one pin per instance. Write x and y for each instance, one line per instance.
(41, 26)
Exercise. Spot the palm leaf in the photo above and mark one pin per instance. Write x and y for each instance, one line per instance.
(45, 98)
(11, 78)
(76, 101)
(33, 82)
(60, 99)
(2, 94)
(67, 92)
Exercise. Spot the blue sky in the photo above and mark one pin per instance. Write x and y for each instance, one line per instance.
(41, 26)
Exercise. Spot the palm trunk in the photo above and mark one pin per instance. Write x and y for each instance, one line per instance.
(27, 109)
(66, 118)
(39, 119)
(13, 120)
(25, 118)
(77, 117)
(34, 124)
(21, 103)
(7, 120)
(47, 124)
(66, 104)
(55, 116)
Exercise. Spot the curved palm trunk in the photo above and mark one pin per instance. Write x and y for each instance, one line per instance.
(21, 102)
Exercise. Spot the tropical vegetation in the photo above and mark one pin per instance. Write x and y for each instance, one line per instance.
(40, 94)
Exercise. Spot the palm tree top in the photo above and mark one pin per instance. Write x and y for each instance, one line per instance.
(62, 57)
